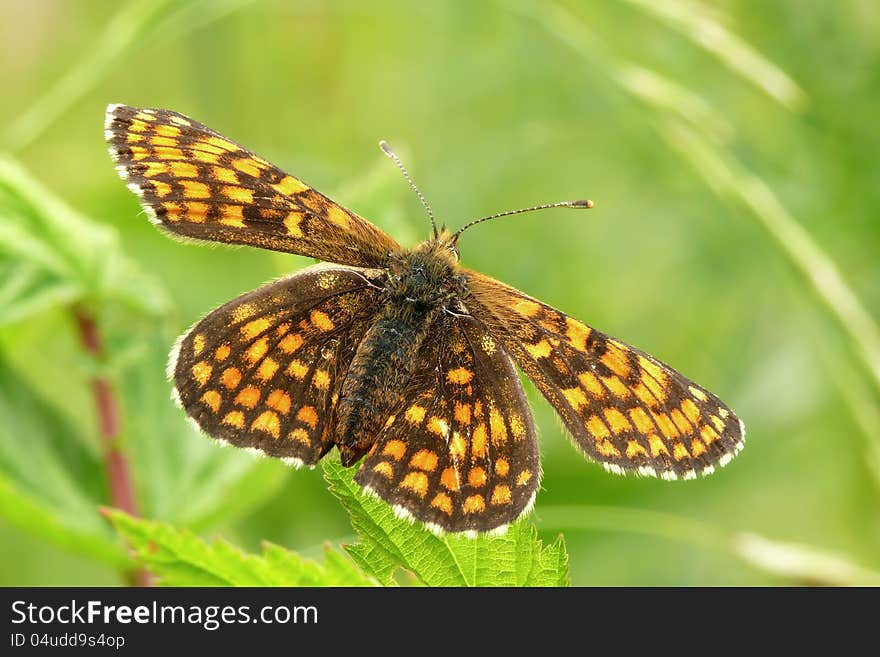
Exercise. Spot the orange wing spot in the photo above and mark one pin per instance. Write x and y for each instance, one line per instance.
(280, 401)
(138, 126)
(462, 413)
(575, 397)
(291, 223)
(243, 311)
(232, 215)
(415, 414)
(184, 169)
(151, 169)
(699, 394)
(616, 361)
(577, 333)
(474, 504)
(724, 413)
(201, 372)
(301, 436)
(161, 189)
(541, 349)
(144, 116)
(384, 468)
(708, 434)
(606, 448)
(290, 343)
(417, 482)
(237, 194)
(212, 398)
(234, 419)
(389, 421)
(282, 329)
(424, 460)
(524, 477)
(527, 308)
(307, 415)
(224, 175)
(179, 120)
(297, 369)
(656, 389)
(644, 395)
(496, 427)
(267, 421)
(221, 143)
(267, 369)
(657, 445)
(230, 378)
(502, 467)
(517, 426)
(488, 344)
(338, 216)
(478, 408)
(165, 153)
(679, 451)
(449, 479)
(690, 410)
(500, 495)
(254, 328)
(166, 130)
(438, 426)
(321, 380)
(457, 446)
(680, 422)
(641, 420)
(133, 137)
(634, 448)
(667, 427)
(257, 350)
(717, 422)
(289, 185)
(195, 189)
(249, 396)
(203, 156)
(459, 376)
(248, 166)
(395, 449)
(443, 502)
(196, 212)
(654, 370)
(198, 344)
(322, 320)
(592, 384)
(597, 428)
(477, 477)
(479, 442)
(617, 387)
(617, 421)
(698, 448)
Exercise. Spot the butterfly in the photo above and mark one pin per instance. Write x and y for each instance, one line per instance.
(401, 358)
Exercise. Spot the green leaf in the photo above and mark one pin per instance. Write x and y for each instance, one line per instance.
(51, 480)
(518, 558)
(180, 558)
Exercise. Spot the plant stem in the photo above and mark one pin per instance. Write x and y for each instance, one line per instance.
(107, 408)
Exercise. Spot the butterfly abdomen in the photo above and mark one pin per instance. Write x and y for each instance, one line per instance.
(377, 379)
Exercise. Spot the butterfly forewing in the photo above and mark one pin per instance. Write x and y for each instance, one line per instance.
(198, 184)
(264, 370)
(623, 407)
(460, 454)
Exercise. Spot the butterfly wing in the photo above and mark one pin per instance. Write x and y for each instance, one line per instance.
(460, 454)
(623, 407)
(195, 183)
(264, 370)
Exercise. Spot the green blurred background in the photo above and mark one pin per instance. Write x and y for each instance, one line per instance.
(730, 148)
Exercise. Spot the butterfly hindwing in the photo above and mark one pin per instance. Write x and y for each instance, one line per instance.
(623, 407)
(460, 454)
(195, 183)
(263, 371)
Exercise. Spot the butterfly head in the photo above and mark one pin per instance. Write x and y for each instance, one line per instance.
(428, 275)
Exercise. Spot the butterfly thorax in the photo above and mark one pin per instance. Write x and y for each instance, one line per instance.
(421, 285)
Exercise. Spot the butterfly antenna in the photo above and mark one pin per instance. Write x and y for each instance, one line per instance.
(386, 148)
(584, 204)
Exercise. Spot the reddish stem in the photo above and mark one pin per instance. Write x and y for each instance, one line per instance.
(107, 409)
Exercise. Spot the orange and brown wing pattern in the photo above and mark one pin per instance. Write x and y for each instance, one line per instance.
(460, 454)
(264, 370)
(198, 184)
(624, 408)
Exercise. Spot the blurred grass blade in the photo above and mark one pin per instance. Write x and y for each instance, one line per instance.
(135, 23)
(695, 22)
(732, 181)
(800, 563)
(179, 558)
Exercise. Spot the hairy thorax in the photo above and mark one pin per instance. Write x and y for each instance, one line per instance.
(421, 285)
